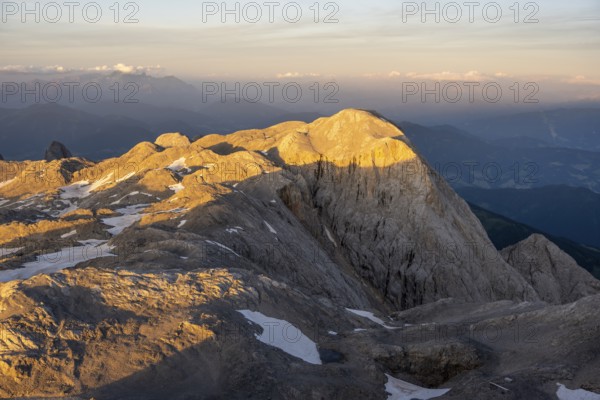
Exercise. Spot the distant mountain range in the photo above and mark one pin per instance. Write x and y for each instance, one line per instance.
(574, 128)
(103, 130)
(132, 107)
(25, 133)
(505, 232)
(564, 211)
(166, 91)
(467, 160)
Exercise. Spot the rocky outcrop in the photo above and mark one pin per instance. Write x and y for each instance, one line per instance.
(172, 140)
(56, 151)
(556, 277)
(396, 222)
(30, 178)
(1, 158)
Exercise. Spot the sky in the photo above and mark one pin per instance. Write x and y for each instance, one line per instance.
(371, 39)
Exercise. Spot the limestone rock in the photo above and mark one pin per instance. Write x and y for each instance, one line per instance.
(299, 222)
(172, 140)
(399, 225)
(57, 151)
(556, 277)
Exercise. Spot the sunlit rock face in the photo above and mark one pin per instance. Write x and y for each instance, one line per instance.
(144, 275)
(398, 224)
(172, 140)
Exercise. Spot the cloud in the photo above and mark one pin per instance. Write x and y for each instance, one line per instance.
(583, 80)
(450, 76)
(471, 76)
(128, 69)
(59, 69)
(297, 75)
(34, 69)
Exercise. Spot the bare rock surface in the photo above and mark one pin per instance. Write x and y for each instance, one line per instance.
(57, 151)
(554, 274)
(127, 278)
(172, 140)
(398, 224)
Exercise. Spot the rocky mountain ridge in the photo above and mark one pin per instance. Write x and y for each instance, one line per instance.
(135, 277)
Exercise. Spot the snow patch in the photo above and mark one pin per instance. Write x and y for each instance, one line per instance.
(174, 211)
(124, 197)
(92, 242)
(130, 215)
(222, 246)
(271, 229)
(54, 262)
(330, 237)
(70, 207)
(177, 188)
(400, 390)
(8, 252)
(284, 336)
(178, 165)
(6, 183)
(129, 175)
(370, 316)
(26, 205)
(66, 235)
(182, 223)
(82, 189)
(567, 394)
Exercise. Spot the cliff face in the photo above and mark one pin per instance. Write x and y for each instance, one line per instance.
(554, 275)
(398, 224)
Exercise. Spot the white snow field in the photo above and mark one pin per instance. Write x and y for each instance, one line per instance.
(54, 262)
(370, 316)
(130, 215)
(400, 390)
(567, 394)
(285, 336)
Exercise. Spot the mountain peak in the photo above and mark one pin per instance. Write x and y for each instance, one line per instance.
(353, 133)
(355, 113)
(357, 116)
(556, 276)
(169, 140)
(57, 151)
